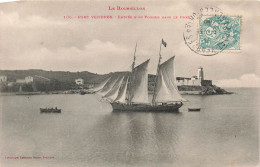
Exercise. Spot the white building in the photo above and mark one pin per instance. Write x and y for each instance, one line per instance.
(183, 81)
(27, 79)
(200, 74)
(3, 78)
(79, 81)
(11, 84)
(194, 80)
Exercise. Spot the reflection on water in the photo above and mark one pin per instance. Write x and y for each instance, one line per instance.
(132, 138)
(87, 133)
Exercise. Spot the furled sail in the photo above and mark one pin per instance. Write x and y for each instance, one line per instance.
(139, 84)
(121, 98)
(113, 93)
(100, 86)
(166, 89)
(108, 87)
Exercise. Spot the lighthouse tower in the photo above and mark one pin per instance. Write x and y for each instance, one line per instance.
(200, 74)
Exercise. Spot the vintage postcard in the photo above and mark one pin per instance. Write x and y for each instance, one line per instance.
(129, 83)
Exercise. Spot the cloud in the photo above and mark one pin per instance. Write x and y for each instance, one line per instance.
(246, 80)
(2, 1)
(15, 20)
(95, 56)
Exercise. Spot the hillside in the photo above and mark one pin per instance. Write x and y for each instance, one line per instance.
(64, 80)
(62, 76)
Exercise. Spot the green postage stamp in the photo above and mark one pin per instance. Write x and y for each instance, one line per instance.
(219, 33)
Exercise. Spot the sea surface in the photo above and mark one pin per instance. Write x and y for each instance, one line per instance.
(88, 134)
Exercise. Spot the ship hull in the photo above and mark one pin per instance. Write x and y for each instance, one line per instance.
(146, 107)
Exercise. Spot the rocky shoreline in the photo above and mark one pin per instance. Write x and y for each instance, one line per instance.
(202, 90)
(212, 90)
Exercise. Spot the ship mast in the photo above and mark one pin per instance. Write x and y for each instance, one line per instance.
(156, 77)
(131, 77)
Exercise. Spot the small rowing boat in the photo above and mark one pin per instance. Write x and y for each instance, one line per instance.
(50, 110)
(193, 109)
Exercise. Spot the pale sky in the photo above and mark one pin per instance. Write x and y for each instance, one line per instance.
(35, 35)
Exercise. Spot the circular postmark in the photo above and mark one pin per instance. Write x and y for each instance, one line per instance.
(209, 32)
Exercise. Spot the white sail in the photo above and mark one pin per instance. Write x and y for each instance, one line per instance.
(139, 84)
(107, 87)
(166, 89)
(113, 93)
(121, 98)
(100, 86)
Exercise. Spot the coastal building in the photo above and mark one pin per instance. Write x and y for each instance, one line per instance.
(28, 79)
(194, 80)
(3, 78)
(206, 82)
(200, 74)
(10, 84)
(79, 81)
(183, 81)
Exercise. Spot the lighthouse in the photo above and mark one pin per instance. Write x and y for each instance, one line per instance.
(200, 74)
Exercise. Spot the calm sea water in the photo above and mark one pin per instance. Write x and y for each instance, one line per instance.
(87, 133)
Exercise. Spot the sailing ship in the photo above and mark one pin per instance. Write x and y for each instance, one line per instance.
(129, 92)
